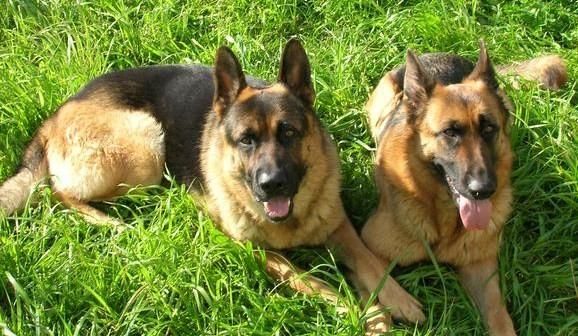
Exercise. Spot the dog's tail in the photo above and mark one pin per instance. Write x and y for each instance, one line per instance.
(14, 192)
(549, 71)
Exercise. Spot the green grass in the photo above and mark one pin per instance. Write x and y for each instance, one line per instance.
(174, 273)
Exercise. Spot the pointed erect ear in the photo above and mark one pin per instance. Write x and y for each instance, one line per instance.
(295, 72)
(417, 83)
(484, 71)
(229, 80)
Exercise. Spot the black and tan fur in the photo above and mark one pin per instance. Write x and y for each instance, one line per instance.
(237, 142)
(441, 127)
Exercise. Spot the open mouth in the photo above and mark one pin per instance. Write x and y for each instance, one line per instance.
(278, 208)
(474, 214)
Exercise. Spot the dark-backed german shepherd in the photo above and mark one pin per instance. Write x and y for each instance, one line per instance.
(255, 153)
(443, 167)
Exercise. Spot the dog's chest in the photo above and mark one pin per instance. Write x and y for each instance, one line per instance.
(449, 241)
(284, 235)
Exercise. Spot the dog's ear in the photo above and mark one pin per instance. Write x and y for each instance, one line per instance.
(229, 80)
(417, 83)
(295, 72)
(484, 70)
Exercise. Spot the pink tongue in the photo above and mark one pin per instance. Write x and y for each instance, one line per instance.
(277, 207)
(475, 214)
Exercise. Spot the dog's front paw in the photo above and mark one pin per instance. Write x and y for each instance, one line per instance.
(378, 321)
(401, 304)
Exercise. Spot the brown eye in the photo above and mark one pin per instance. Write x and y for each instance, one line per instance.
(247, 140)
(451, 132)
(287, 133)
(488, 130)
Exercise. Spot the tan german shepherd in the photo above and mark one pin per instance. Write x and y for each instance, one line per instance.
(257, 154)
(443, 167)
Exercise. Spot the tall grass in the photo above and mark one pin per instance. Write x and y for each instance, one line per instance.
(174, 273)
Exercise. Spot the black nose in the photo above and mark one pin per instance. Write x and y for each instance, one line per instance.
(272, 183)
(481, 185)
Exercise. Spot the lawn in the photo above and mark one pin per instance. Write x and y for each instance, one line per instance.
(173, 273)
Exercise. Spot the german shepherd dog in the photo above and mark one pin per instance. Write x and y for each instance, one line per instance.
(256, 154)
(443, 167)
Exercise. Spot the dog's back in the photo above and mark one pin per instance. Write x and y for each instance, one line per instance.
(177, 97)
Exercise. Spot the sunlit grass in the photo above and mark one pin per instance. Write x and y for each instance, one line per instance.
(173, 273)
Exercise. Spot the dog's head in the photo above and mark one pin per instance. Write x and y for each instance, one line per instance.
(462, 132)
(265, 128)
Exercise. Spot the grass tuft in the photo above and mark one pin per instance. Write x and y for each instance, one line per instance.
(172, 272)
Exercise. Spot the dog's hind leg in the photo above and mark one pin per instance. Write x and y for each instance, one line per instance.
(481, 281)
(89, 213)
(99, 154)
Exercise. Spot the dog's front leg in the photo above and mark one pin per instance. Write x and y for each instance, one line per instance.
(369, 271)
(283, 270)
(481, 280)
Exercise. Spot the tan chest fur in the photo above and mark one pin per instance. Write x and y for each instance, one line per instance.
(404, 224)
